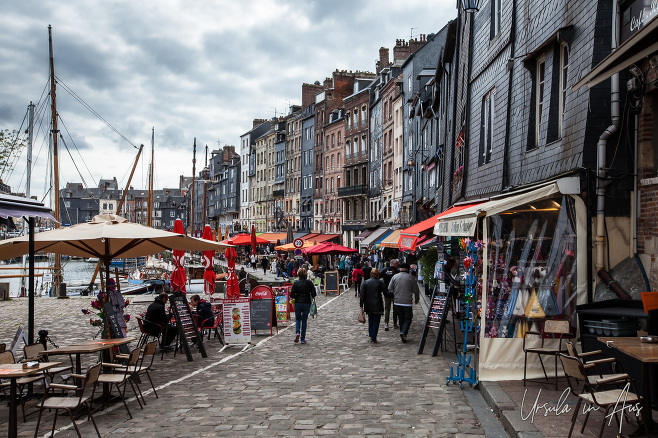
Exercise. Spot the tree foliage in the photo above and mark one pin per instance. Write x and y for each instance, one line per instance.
(11, 145)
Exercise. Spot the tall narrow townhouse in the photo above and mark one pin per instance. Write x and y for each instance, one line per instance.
(307, 166)
(334, 132)
(293, 168)
(261, 183)
(248, 168)
(278, 190)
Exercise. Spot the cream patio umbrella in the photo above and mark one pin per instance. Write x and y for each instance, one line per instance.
(106, 236)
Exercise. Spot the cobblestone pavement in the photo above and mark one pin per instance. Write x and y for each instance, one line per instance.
(338, 384)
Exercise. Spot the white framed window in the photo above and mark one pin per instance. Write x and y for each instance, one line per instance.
(496, 13)
(488, 117)
(564, 69)
(540, 83)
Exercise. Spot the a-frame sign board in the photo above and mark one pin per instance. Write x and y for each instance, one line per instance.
(187, 328)
(440, 306)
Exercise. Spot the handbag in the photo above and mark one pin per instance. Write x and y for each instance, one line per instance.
(362, 317)
(313, 311)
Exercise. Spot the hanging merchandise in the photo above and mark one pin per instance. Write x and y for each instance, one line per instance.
(463, 372)
(533, 309)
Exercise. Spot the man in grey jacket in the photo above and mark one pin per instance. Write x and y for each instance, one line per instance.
(404, 288)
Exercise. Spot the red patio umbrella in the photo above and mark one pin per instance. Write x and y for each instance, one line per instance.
(253, 239)
(178, 277)
(209, 276)
(232, 285)
(244, 240)
(328, 248)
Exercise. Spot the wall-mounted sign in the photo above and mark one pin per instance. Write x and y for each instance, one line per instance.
(635, 15)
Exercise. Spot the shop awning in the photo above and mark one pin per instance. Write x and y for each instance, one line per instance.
(363, 235)
(462, 223)
(311, 236)
(274, 237)
(425, 242)
(377, 241)
(298, 235)
(368, 241)
(324, 237)
(391, 241)
(15, 206)
(644, 43)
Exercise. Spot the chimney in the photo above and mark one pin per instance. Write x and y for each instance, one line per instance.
(400, 51)
(416, 44)
(308, 93)
(258, 122)
(383, 59)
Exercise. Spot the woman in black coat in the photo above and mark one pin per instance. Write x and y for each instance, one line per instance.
(303, 292)
(372, 302)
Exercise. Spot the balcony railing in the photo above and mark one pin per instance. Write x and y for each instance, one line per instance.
(352, 190)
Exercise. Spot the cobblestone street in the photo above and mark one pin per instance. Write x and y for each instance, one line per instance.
(338, 384)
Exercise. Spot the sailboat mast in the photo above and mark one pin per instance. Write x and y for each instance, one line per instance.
(192, 189)
(150, 197)
(54, 132)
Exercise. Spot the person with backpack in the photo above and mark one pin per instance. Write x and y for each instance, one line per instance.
(357, 277)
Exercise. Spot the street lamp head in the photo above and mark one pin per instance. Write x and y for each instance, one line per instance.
(410, 163)
(470, 6)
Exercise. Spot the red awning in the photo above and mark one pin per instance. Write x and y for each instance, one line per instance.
(311, 236)
(324, 237)
(409, 236)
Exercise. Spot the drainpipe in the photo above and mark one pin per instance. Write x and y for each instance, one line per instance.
(601, 183)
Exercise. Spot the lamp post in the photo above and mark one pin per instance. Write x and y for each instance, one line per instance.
(470, 6)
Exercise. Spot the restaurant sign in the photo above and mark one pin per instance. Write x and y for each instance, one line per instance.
(464, 226)
(635, 15)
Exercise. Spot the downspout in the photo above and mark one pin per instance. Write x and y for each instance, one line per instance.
(468, 105)
(601, 161)
(505, 178)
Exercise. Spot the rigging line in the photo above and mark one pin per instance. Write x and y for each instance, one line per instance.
(76, 148)
(12, 149)
(74, 163)
(39, 118)
(86, 105)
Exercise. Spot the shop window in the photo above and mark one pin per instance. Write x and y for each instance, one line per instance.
(531, 266)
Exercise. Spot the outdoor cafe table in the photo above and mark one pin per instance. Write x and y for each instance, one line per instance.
(645, 352)
(87, 347)
(13, 372)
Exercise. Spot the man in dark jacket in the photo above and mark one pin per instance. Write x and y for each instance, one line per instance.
(405, 288)
(204, 310)
(371, 302)
(366, 271)
(387, 275)
(156, 320)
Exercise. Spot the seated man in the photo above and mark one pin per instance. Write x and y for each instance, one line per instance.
(204, 310)
(156, 320)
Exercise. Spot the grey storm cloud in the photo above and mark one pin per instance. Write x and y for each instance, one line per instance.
(187, 69)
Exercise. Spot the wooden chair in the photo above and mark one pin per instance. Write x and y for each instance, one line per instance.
(599, 399)
(553, 328)
(122, 377)
(596, 364)
(7, 357)
(70, 403)
(145, 364)
(31, 353)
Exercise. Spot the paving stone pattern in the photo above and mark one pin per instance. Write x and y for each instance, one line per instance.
(338, 384)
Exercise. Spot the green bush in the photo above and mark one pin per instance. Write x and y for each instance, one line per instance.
(427, 262)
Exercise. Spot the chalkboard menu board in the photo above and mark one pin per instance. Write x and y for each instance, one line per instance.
(436, 316)
(262, 308)
(187, 329)
(331, 282)
(113, 324)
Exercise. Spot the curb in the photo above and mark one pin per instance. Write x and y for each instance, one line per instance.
(507, 411)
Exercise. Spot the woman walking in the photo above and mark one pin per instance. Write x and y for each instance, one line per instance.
(302, 291)
(372, 302)
(357, 276)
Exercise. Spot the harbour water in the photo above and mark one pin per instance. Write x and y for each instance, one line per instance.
(75, 272)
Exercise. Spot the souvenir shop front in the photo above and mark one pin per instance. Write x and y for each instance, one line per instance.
(533, 266)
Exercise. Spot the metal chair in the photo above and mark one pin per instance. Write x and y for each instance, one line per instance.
(7, 357)
(122, 377)
(31, 353)
(553, 328)
(599, 399)
(145, 365)
(596, 365)
(70, 403)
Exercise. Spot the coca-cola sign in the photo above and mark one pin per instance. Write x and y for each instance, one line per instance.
(635, 15)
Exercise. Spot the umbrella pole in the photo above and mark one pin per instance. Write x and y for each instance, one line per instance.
(30, 311)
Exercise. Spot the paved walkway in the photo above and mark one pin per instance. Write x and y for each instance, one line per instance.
(338, 384)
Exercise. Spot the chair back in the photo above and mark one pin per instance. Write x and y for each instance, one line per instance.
(32, 351)
(573, 369)
(141, 325)
(557, 326)
(571, 349)
(6, 357)
(89, 382)
(134, 357)
(149, 350)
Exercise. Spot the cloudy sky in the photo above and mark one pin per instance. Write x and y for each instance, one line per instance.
(201, 69)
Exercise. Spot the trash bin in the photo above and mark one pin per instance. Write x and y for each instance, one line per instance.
(62, 291)
(4, 291)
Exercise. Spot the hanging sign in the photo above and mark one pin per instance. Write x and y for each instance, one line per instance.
(237, 321)
(282, 303)
(636, 15)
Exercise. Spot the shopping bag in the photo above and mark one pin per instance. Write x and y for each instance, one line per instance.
(362, 316)
(313, 311)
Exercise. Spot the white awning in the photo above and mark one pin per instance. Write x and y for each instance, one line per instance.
(365, 243)
(462, 223)
(639, 46)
